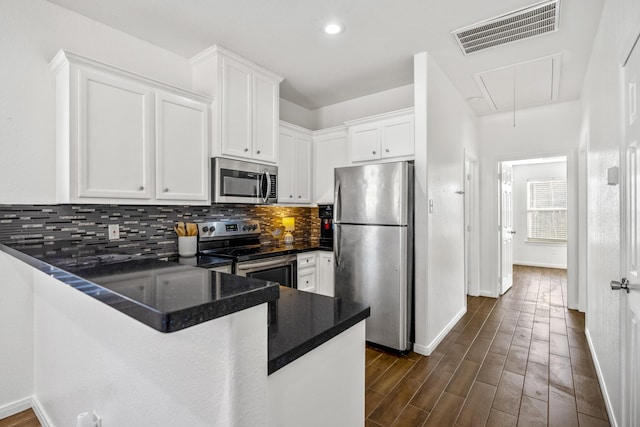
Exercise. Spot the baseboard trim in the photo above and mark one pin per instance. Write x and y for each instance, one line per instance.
(487, 294)
(540, 264)
(603, 385)
(15, 407)
(41, 413)
(426, 350)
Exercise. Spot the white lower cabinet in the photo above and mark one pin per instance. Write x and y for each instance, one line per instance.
(325, 274)
(307, 273)
(315, 272)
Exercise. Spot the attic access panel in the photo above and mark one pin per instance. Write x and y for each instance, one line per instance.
(530, 83)
(535, 20)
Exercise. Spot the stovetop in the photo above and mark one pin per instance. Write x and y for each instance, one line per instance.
(248, 253)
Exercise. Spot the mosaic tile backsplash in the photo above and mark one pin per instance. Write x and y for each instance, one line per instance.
(143, 229)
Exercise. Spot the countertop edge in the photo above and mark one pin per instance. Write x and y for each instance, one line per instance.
(157, 320)
(305, 347)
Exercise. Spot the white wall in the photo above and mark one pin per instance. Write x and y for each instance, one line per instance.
(369, 105)
(90, 356)
(298, 115)
(551, 130)
(445, 127)
(16, 335)
(31, 32)
(602, 135)
(551, 255)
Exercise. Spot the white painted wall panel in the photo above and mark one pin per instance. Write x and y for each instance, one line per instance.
(447, 126)
(551, 255)
(16, 334)
(31, 32)
(369, 105)
(92, 357)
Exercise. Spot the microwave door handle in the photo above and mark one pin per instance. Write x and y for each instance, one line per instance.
(266, 190)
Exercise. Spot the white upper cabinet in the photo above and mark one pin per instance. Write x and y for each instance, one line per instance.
(114, 140)
(329, 152)
(246, 120)
(122, 138)
(182, 155)
(295, 165)
(386, 136)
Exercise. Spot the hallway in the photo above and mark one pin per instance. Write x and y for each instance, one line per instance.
(522, 359)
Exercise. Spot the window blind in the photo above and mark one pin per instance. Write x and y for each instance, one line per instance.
(547, 210)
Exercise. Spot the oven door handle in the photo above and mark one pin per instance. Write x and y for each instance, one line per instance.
(260, 265)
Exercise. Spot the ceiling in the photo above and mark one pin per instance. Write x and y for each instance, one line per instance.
(375, 51)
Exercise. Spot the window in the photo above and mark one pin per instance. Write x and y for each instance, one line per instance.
(547, 210)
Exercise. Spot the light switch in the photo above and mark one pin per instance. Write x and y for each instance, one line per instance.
(613, 175)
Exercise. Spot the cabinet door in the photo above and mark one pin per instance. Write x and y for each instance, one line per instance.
(236, 99)
(265, 118)
(365, 142)
(397, 137)
(325, 273)
(115, 137)
(302, 168)
(181, 148)
(328, 154)
(307, 279)
(285, 167)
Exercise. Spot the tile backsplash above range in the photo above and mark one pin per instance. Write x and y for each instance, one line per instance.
(143, 229)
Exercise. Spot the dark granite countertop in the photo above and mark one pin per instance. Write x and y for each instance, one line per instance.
(162, 294)
(301, 321)
(172, 293)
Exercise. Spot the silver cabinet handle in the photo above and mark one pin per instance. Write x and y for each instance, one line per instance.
(374, 152)
(165, 190)
(299, 197)
(141, 188)
(623, 284)
(387, 150)
(246, 149)
(258, 152)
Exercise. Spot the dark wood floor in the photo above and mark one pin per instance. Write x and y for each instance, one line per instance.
(21, 419)
(520, 360)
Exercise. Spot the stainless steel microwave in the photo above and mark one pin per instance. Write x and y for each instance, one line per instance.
(235, 181)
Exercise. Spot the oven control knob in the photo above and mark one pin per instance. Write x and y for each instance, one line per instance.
(244, 228)
(212, 229)
(254, 226)
(205, 229)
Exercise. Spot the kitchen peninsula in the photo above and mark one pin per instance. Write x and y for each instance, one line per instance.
(217, 362)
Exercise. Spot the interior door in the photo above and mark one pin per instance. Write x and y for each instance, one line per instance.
(506, 227)
(631, 301)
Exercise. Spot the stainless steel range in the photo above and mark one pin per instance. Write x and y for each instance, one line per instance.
(240, 241)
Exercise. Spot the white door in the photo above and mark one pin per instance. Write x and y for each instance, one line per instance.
(631, 301)
(265, 118)
(115, 137)
(303, 169)
(286, 167)
(506, 227)
(182, 149)
(237, 87)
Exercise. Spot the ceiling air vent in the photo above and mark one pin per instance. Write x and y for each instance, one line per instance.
(531, 21)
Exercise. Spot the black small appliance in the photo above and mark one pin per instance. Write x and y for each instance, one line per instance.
(325, 212)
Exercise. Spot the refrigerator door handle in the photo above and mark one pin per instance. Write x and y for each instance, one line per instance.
(337, 209)
(336, 246)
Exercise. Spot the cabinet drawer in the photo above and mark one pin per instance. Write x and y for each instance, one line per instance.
(306, 260)
(307, 280)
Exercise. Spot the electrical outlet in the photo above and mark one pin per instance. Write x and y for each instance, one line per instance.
(114, 231)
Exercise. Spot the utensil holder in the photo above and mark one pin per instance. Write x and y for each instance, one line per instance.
(187, 245)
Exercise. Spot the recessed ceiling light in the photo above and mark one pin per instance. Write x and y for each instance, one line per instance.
(332, 28)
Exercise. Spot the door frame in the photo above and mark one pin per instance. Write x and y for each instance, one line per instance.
(573, 290)
(471, 220)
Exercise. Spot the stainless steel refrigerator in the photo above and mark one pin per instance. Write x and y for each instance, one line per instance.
(373, 247)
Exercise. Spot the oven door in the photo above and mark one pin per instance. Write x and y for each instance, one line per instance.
(281, 269)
